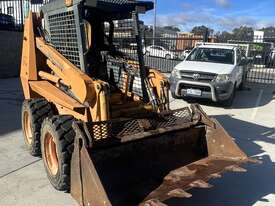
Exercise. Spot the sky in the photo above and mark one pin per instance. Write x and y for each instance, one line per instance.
(220, 15)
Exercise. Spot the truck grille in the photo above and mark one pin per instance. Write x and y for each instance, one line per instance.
(197, 76)
(202, 88)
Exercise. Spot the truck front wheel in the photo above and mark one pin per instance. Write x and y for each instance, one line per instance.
(230, 100)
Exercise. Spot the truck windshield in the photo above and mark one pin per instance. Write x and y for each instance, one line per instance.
(213, 55)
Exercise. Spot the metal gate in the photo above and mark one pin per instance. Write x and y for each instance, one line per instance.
(261, 54)
(13, 12)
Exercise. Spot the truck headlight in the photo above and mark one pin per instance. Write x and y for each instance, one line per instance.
(223, 78)
(176, 74)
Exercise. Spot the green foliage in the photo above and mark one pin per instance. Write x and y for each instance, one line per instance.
(242, 34)
(201, 30)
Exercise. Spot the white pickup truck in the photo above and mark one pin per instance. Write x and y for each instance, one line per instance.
(212, 71)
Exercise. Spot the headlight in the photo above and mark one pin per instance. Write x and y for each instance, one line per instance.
(176, 74)
(223, 78)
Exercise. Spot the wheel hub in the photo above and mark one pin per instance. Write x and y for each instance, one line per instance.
(27, 128)
(51, 154)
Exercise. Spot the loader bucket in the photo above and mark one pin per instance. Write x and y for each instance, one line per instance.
(148, 171)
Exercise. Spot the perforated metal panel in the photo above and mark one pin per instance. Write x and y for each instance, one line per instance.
(120, 129)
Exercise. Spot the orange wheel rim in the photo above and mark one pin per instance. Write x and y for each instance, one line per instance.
(27, 127)
(51, 154)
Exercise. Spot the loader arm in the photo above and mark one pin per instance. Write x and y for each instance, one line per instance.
(90, 94)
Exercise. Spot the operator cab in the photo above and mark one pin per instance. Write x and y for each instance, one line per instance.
(104, 23)
(110, 32)
(104, 41)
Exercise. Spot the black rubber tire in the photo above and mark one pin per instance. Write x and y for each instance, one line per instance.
(38, 110)
(241, 86)
(230, 100)
(60, 127)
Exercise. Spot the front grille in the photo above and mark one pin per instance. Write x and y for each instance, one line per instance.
(197, 76)
(202, 88)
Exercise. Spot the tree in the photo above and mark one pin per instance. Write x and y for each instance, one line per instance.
(224, 36)
(269, 31)
(243, 33)
(201, 30)
(171, 28)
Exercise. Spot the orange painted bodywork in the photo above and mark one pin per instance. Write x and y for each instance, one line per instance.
(28, 62)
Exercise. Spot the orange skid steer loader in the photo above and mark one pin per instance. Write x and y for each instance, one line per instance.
(100, 117)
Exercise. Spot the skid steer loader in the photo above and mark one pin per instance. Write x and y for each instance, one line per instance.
(100, 117)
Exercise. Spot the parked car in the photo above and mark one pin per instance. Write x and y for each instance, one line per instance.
(210, 71)
(159, 51)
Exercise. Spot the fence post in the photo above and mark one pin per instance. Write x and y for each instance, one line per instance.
(21, 15)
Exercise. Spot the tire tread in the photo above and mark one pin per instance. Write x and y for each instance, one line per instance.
(65, 136)
(39, 109)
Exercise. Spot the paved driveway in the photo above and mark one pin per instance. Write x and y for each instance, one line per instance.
(251, 121)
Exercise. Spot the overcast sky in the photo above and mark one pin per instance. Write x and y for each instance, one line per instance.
(217, 14)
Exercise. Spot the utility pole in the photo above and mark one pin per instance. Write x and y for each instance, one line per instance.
(155, 21)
